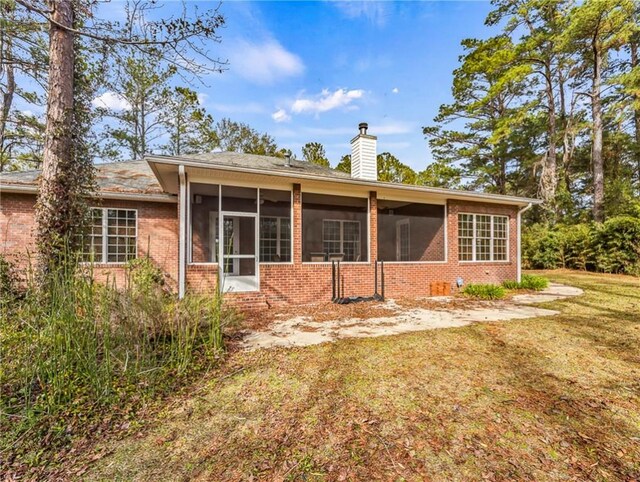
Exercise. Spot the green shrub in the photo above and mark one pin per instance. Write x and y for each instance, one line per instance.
(529, 282)
(80, 348)
(511, 284)
(563, 246)
(540, 248)
(484, 291)
(8, 281)
(574, 244)
(533, 282)
(616, 245)
(143, 276)
(612, 247)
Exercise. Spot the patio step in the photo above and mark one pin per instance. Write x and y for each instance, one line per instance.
(246, 301)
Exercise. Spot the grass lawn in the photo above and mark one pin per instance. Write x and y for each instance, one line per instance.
(552, 398)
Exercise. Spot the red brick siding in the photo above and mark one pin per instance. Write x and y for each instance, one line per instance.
(17, 242)
(280, 283)
(299, 283)
(157, 233)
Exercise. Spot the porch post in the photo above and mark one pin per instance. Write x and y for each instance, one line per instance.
(297, 224)
(182, 236)
(519, 242)
(373, 226)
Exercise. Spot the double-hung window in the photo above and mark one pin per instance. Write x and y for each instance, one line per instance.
(111, 236)
(482, 237)
(341, 236)
(275, 239)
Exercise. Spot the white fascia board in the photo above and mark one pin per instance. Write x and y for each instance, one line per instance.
(126, 196)
(373, 185)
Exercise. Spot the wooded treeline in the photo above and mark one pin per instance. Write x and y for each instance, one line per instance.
(138, 77)
(549, 107)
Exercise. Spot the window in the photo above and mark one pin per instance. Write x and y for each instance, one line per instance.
(111, 236)
(334, 228)
(411, 232)
(341, 237)
(275, 239)
(482, 237)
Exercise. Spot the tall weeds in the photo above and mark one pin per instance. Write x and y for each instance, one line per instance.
(78, 345)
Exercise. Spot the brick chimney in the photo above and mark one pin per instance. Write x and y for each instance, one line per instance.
(364, 164)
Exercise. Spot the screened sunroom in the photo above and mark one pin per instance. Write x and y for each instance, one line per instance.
(334, 228)
(255, 225)
(411, 232)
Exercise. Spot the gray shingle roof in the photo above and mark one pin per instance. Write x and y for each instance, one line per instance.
(239, 159)
(125, 177)
(137, 176)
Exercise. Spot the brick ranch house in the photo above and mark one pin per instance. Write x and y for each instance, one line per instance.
(283, 222)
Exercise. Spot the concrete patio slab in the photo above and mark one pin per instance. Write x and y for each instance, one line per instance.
(303, 331)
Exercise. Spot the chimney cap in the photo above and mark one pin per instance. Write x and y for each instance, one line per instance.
(363, 126)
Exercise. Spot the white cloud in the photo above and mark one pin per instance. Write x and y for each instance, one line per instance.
(279, 132)
(393, 128)
(395, 90)
(111, 100)
(247, 108)
(395, 145)
(264, 63)
(326, 101)
(202, 98)
(374, 12)
(281, 116)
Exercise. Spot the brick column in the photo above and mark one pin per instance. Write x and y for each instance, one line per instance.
(297, 224)
(451, 225)
(373, 225)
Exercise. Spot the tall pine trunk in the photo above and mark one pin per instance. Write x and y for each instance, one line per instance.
(549, 177)
(596, 149)
(636, 111)
(7, 96)
(53, 205)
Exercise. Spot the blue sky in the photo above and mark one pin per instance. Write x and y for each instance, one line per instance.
(311, 71)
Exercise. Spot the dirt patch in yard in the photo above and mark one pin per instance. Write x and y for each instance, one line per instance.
(439, 303)
(319, 313)
(311, 325)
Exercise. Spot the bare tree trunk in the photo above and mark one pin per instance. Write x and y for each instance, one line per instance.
(7, 96)
(549, 176)
(636, 111)
(51, 213)
(178, 134)
(596, 149)
(143, 131)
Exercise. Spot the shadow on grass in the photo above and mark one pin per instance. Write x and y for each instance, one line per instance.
(587, 423)
(303, 413)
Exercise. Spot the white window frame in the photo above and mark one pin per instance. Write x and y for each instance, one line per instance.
(278, 239)
(105, 235)
(342, 241)
(474, 237)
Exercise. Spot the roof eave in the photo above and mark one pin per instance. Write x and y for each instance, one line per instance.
(126, 196)
(450, 193)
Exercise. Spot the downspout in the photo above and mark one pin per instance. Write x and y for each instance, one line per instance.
(182, 242)
(519, 241)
